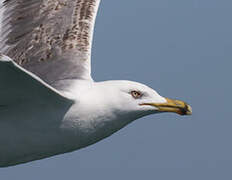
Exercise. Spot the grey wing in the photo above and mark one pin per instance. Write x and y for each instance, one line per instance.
(18, 86)
(51, 38)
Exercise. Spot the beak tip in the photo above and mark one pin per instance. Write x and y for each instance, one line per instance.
(190, 111)
(187, 110)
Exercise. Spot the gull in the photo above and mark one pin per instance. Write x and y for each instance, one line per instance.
(49, 103)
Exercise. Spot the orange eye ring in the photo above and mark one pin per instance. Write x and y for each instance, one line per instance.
(136, 94)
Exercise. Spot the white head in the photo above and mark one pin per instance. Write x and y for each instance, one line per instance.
(105, 107)
(130, 99)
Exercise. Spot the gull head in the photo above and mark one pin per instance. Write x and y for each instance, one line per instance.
(103, 108)
(132, 99)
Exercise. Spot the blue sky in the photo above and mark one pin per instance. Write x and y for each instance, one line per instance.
(182, 49)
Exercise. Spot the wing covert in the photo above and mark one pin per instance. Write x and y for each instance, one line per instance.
(50, 38)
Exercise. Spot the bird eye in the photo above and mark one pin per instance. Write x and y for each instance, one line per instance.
(136, 94)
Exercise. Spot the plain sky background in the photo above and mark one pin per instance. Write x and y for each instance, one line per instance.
(181, 48)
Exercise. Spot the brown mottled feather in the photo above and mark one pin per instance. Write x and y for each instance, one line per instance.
(51, 38)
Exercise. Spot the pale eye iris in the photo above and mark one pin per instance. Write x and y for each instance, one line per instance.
(136, 94)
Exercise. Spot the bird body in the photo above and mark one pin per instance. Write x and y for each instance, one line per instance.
(49, 103)
(33, 128)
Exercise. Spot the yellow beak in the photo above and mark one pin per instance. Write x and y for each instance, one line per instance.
(171, 105)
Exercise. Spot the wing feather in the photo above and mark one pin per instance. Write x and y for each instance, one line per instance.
(19, 85)
(51, 38)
